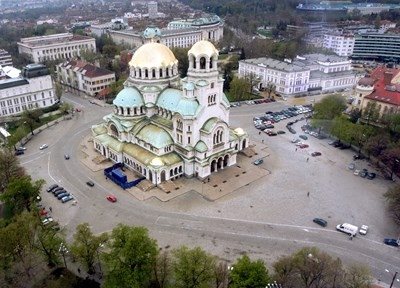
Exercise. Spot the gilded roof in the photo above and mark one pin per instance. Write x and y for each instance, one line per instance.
(153, 55)
(146, 157)
(203, 47)
(154, 135)
(129, 97)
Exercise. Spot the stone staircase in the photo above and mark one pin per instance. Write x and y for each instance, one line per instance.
(168, 186)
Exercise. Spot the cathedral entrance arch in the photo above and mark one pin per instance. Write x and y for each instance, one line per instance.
(226, 160)
(150, 176)
(213, 165)
(162, 175)
(244, 144)
(220, 163)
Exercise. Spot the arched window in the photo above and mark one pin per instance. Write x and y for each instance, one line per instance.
(167, 72)
(114, 131)
(202, 63)
(140, 73)
(146, 73)
(211, 63)
(154, 73)
(218, 136)
(161, 74)
(194, 62)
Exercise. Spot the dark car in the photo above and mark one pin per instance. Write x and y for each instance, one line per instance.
(57, 189)
(90, 183)
(66, 199)
(320, 222)
(315, 154)
(358, 157)
(363, 173)
(66, 157)
(280, 132)
(371, 175)
(19, 152)
(59, 192)
(304, 137)
(51, 188)
(391, 242)
(62, 195)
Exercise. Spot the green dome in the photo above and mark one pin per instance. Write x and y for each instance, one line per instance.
(173, 100)
(129, 97)
(154, 135)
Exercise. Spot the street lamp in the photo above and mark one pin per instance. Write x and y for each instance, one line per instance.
(63, 250)
(394, 277)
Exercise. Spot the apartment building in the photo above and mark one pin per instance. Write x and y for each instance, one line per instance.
(341, 44)
(5, 58)
(304, 74)
(33, 89)
(80, 76)
(56, 46)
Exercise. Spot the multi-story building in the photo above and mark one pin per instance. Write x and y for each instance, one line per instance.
(312, 72)
(80, 76)
(381, 87)
(183, 33)
(153, 9)
(114, 24)
(341, 44)
(56, 46)
(34, 89)
(377, 47)
(5, 58)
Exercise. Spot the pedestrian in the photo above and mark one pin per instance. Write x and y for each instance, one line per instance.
(351, 237)
(220, 190)
(308, 159)
(208, 179)
(259, 133)
(308, 194)
(296, 150)
(262, 141)
(79, 270)
(51, 209)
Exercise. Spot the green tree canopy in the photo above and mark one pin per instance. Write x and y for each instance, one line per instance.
(247, 274)
(329, 107)
(31, 118)
(21, 193)
(131, 257)
(86, 246)
(9, 168)
(239, 88)
(193, 268)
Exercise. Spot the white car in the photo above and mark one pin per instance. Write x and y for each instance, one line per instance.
(356, 172)
(363, 230)
(44, 146)
(47, 220)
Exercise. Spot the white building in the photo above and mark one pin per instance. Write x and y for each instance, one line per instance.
(5, 58)
(153, 9)
(164, 127)
(341, 44)
(56, 46)
(34, 89)
(114, 24)
(210, 29)
(312, 72)
(81, 76)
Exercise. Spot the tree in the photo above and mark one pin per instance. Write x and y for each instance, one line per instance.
(163, 270)
(193, 268)
(48, 242)
(89, 56)
(31, 118)
(355, 114)
(58, 90)
(247, 274)
(66, 108)
(271, 88)
(375, 145)
(371, 112)
(221, 275)
(21, 193)
(358, 276)
(239, 89)
(253, 81)
(326, 110)
(392, 197)
(131, 257)
(181, 55)
(9, 168)
(392, 122)
(391, 158)
(86, 245)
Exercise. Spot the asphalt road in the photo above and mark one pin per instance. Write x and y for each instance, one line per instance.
(266, 220)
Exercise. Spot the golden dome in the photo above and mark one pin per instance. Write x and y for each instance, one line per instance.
(239, 131)
(203, 47)
(153, 55)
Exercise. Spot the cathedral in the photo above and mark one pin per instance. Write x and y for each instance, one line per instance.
(164, 127)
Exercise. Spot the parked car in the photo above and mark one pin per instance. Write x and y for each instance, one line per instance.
(21, 148)
(52, 187)
(62, 195)
(66, 199)
(371, 175)
(57, 189)
(44, 146)
(358, 157)
(363, 230)
(258, 161)
(66, 157)
(315, 154)
(320, 222)
(391, 242)
(363, 173)
(295, 140)
(90, 183)
(356, 172)
(47, 220)
(19, 152)
(302, 146)
(111, 198)
(59, 192)
(304, 137)
(351, 166)
(280, 132)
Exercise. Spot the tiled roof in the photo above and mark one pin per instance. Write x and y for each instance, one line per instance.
(87, 69)
(386, 93)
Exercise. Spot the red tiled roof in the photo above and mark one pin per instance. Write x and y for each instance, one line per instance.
(385, 93)
(91, 70)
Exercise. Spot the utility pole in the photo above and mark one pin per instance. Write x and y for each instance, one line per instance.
(394, 278)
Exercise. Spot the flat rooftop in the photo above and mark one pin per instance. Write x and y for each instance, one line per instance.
(52, 39)
(275, 64)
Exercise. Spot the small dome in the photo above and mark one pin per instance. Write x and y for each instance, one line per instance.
(129, 97)
(366, 81)
(153, 55)
(151, 32)
(239, 131)
(156, 162)
(203, 47)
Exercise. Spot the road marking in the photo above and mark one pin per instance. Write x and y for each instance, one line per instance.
(48, 169)
(306, 230)
(34, 159)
